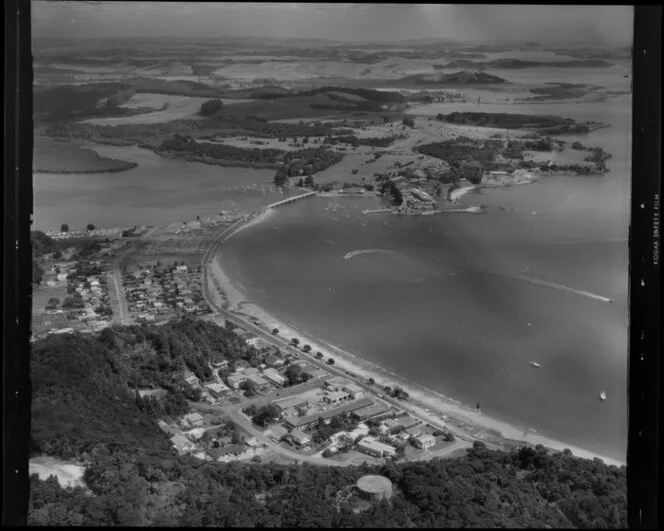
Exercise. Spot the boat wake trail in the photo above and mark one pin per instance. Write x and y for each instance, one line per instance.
(351, 254)
(553, 285)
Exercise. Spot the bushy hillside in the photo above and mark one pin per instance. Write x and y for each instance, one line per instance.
(84, 408)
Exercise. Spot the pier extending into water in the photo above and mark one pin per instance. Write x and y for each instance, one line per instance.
(290, 200)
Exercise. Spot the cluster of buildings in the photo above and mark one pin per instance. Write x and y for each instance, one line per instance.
(301, 413)
(415, 201)
(190, 438)
(96, 311)
(107, 233)
(152, 291)
(91, 310)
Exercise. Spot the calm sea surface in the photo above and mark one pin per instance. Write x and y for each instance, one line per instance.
(157, 191)
(433, 310)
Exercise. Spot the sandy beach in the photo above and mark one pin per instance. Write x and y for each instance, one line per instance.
(457, 194)
(421, 398)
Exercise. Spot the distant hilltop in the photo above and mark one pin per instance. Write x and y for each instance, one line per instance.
(462, 78)
(517, 64)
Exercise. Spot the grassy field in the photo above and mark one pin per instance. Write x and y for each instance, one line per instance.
(51, 156)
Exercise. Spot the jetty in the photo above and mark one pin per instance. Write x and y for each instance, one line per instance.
(290, 200)
(377, 211)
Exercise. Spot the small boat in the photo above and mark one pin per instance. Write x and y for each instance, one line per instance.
(535, 364)
(602, 395)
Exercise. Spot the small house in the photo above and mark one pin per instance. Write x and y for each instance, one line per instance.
(218, 389)
(425, 441)
(355, 391)
(299, 438)
(194, 419)
(273, 376)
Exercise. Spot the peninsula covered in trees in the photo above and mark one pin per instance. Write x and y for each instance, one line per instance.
(545, 124)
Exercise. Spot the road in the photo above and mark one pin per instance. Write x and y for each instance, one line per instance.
(234, 413)
(116, 273)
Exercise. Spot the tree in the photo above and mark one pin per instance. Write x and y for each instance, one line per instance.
(210, 107)
(319, 355)
(53, 302)
(309, 181)
(371, 381)
(293, 374)
(295, 341)
(330, 361)
(249, 388)
(275, 331)
(90, 227)
(64, 228)
(407, 121)
(472, 172)
(265, 415)
(281, 178)
(307, 348)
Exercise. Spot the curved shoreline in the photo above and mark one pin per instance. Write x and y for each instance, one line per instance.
(235, 301)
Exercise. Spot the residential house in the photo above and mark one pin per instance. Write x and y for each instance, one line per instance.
(191, 379)
(182, 444)
(194, 419)
(253, 443)
(425, 441)
(273, 376)
(355, 391)
(375, 448)
(218, 390)
(219, 364)
(235, 380)
(257, 380)
(299, 438)
(336, 397)
(276, 432)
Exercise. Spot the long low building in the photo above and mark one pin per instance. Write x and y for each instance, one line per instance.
(299, 423)
(404, 422)
(371, 446)
(301, 400)
(371, 411)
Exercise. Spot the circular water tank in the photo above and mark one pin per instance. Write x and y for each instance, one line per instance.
(375, 487)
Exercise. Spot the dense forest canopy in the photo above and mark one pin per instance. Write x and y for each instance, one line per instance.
(85, 408)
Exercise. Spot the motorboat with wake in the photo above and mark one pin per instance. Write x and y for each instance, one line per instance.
(535, 364)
